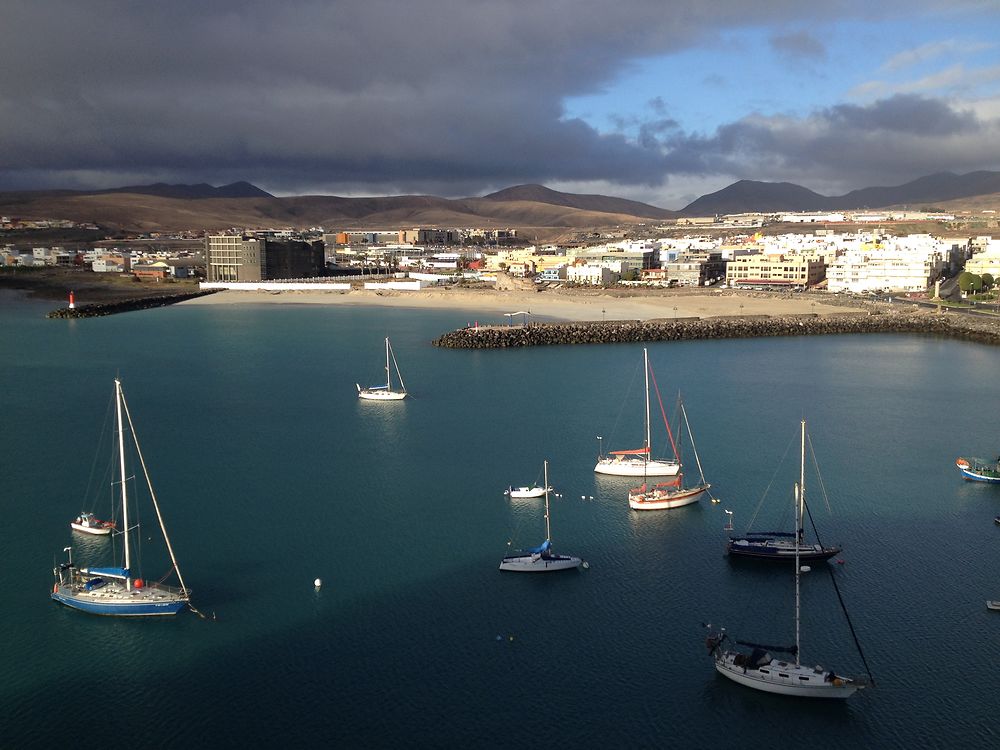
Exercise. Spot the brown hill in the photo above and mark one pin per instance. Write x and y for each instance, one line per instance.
(599, 203)
(147, 212)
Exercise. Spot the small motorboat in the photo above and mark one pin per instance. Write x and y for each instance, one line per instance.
(519, 492)
(993, 605)
(89, 524)
(996, 520)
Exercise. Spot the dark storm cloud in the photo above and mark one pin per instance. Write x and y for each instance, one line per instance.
(905, 114)
(377, 95)
(887, 142)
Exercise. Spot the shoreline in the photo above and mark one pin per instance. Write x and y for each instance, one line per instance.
(554, 305)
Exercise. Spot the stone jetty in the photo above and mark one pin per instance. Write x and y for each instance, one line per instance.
(129, 305)
(953, 325)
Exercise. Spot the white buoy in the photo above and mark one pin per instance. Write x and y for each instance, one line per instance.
(805, 568)
(585, 565)
(317, 583)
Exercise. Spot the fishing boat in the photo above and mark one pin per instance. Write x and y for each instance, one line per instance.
(121, 590)
(385, 392)
(755, 667)
(638, 462)
(781, 546)
(540, 559)
(674, 493)
(978, 470)
(88, 523)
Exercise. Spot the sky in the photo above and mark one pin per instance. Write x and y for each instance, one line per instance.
(655, 100)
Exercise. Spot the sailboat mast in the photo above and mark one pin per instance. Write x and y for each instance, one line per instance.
(548, 530)
(121, 463)
(645, 360)
(388, 379)
(800, 498)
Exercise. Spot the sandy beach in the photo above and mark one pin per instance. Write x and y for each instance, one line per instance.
(569, 305)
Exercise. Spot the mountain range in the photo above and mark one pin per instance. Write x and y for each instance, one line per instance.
(529, 207)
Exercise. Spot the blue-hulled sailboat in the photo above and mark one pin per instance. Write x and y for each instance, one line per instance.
(780, 546)
(120, 590)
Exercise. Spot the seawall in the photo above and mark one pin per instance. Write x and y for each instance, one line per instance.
(982, 330)
(129, 305)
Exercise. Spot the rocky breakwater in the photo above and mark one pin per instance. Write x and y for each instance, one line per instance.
(129, 305)
(685, 329)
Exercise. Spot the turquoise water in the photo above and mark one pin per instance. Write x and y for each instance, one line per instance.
(272, 473)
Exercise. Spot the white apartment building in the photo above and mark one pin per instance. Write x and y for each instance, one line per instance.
(811, 218)
(775, 270)
(987, 260)
(905, 264)
(112, 264)
(591, 273)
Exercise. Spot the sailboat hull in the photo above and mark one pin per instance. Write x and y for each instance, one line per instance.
(783, 678)
(784, 551)
(116, 601)
(637, 468)
(538, 563)
(95, 530)
(666, 499)
(367, 394)
(526, 492)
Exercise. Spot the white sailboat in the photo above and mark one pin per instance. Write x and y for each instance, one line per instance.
(759, 669)
(540, 559)
(121, 591)
(637, 462)
(385, 392)
(672, 494)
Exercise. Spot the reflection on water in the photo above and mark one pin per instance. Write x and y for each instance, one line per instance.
(274, 473)
(93, 550)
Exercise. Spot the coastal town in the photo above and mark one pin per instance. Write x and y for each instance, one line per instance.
(860, 253)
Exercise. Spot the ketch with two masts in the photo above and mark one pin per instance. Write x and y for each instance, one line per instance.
(673, 493)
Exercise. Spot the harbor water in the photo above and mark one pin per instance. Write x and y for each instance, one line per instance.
(271, 473)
